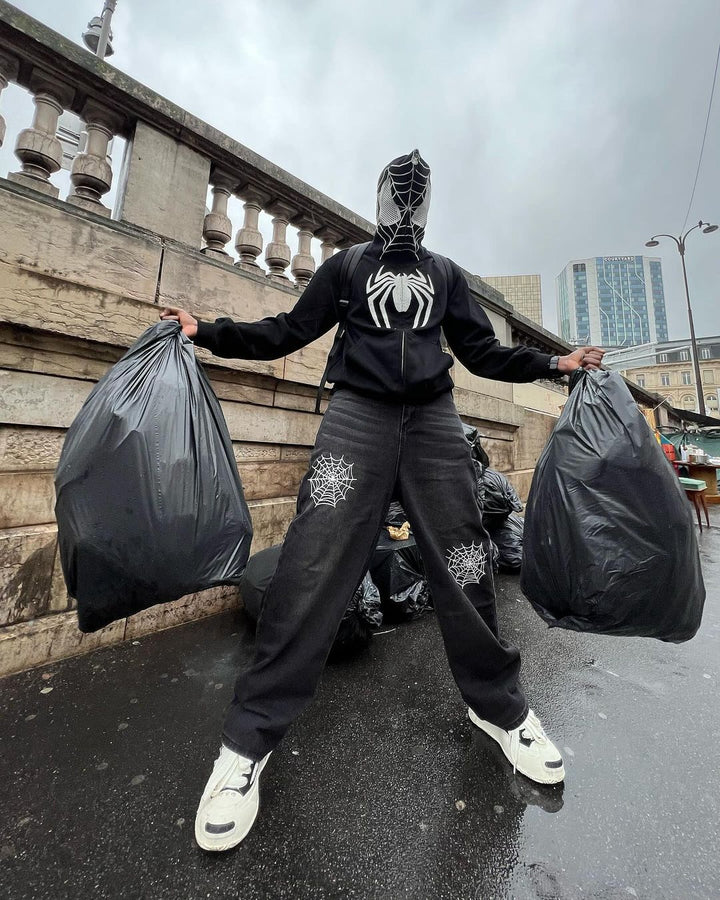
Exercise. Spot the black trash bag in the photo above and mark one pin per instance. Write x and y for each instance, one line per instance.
(149, 502)
(400, 578)
(256, 578)
(479, 483)
(500, 499)
(473, 438)
(610, 545)
(508, 539)
(356, 627)
(495, 556)
(363, 614)
(367, 601)
(395, 515)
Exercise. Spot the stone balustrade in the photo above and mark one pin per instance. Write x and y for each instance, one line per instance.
(173, 161)
(179, 174)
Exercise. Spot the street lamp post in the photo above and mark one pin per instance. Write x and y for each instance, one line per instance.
(97, 37)
(680, 241)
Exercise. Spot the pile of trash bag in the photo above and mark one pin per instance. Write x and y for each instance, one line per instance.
(397, 570)
(499, 499)
(500, 504)
(472, 436)
(611, 545)
(393, 590)
(363, 615)
(508, 539)
(150, 506)
(400, 579)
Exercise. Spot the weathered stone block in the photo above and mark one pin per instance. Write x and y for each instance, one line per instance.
(271, 520)
(269, 425)
(59, 245)
(26, 563)
(26, 498)
(186, 609)
(40, 641)
(483, 386)
(40, 400)
(245, 452)
(29, 449)
(164, 185)
(531, 439)
(265, 480)
(241, 393)
(51, 305)
(299, 453)
(209, 290)
(307, 365)
(48, 354)
(472, 404)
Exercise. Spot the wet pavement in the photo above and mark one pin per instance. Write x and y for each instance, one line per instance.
(383, 789)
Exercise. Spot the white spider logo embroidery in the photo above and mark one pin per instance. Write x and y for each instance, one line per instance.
(331, 480)
(467, 564)
(403, 289)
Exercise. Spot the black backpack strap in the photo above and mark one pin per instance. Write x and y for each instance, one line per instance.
(347, 270)
(443, 263)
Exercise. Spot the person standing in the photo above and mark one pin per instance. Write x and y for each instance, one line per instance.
(391, 430)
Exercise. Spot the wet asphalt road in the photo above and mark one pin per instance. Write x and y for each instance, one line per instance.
(383, 789)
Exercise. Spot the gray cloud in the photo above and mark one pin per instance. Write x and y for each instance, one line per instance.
(556, 129)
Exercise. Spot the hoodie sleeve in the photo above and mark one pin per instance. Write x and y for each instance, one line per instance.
(472, 340)
(277, 336)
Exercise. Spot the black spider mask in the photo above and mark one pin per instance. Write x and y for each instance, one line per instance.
(402, 203)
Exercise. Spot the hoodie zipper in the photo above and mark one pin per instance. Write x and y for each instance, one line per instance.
(402, 360)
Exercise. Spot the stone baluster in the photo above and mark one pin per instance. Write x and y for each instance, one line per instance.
(277, 254)
(37, 148)
(327, 248)
(329, 239)
(91, 173)
(303, 264)
(249, 240)
(8, 72)
(217, 227)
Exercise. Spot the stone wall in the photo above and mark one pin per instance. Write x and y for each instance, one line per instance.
(75, 291)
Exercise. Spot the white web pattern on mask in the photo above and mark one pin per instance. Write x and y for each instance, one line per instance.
(467, 564)
(404, 191)
(331, 480)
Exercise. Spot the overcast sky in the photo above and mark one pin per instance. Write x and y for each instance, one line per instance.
(555, 129)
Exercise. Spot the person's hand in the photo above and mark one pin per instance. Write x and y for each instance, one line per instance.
(583, 357)
(187, 322)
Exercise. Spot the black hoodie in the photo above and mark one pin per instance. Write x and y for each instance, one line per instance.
(391, 347)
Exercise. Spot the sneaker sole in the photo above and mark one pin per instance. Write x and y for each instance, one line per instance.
(228, 841)
(550, 777)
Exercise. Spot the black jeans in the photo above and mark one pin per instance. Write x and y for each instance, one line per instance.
(366, 451)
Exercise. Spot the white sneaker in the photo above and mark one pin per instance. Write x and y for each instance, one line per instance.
(528, 748)
(230, 801)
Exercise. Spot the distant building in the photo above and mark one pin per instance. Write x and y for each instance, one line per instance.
(666, 368)
(523, 291)
(612, 301)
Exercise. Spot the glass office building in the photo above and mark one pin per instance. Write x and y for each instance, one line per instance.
(612, 301)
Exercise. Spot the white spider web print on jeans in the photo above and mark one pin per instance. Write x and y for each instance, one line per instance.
(466, 564)
(331, 480)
